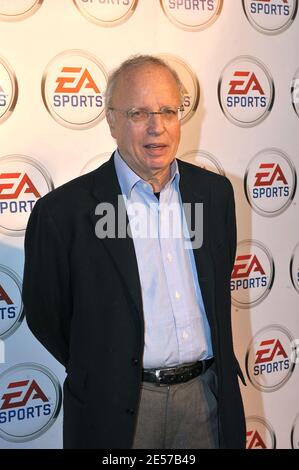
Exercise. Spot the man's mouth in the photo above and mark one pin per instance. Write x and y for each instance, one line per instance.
(155, 146)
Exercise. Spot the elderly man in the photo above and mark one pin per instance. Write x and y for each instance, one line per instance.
(139, 315)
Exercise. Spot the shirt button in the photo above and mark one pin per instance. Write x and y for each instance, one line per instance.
(177, 295)
(169, 257)
(135, 361)
(130, 411)
(185, 335)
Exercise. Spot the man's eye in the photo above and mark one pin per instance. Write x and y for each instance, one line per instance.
(169, 112)
(138, 114)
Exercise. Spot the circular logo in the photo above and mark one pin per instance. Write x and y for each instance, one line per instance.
(23, 180)
(192, 15)
(73, 89)
(270, 182)
(253, 274)
(14, 11)
(204, 160)
(30, 400)
(190, 84)
(245, 91)
(107, 13)
(8, 90)
(294, 267)
(259, 434)
(269, 358)
(95, 162)
(271, 17)
(295, 433)
(295, 92)
(11, 307)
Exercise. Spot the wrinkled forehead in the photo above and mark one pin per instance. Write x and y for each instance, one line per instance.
(145, 81)
(145, 70)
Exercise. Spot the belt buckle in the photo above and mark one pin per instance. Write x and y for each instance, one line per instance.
(158, 377)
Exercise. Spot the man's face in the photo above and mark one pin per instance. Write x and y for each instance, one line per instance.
(147, 147)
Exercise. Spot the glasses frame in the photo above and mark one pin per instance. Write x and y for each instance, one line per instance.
(128, 113)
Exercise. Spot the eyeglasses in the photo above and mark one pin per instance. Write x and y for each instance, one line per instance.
(142, 115)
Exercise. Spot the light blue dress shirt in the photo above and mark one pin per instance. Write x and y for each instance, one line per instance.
(176, 326)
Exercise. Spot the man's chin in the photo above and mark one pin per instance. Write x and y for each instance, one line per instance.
(159, 161)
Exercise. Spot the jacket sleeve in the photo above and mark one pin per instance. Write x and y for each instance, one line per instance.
(232, 232)
(46, 283)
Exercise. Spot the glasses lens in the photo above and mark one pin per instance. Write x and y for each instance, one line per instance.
(138, 115)
(169, 114)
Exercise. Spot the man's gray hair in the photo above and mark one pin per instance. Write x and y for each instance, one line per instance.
(136, 61)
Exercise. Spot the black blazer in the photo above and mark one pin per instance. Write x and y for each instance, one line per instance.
(82, 298)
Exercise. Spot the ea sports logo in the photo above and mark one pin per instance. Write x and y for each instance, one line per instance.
(259, 434)
(253, 274)
(270, 16)
(30, 400)
(106, 13)
(295, 92)
(8, 90)
(23, 180)
(11, 307)
(192, 15)
(190, 84)
(14, 11)
(294, 267)
(245, 91)
(73, 89)
(270, 358)
(270, 182)
(95, 162)
(204, 160)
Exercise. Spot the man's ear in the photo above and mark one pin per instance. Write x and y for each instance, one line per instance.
(111, 122)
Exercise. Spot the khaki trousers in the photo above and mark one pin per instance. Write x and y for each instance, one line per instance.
(181, 416)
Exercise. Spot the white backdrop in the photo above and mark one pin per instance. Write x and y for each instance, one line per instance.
(239, 65)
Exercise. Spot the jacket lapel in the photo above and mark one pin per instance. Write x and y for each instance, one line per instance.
(194, 190)
(106, 189)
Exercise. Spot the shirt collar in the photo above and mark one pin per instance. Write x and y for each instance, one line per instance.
(128, 178)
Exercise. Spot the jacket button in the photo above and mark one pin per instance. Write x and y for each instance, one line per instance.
(130, 411)
(135, 361)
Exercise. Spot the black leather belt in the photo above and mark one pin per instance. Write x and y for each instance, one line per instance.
(176, 375)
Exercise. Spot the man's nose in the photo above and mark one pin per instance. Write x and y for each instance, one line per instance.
(155, 124)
